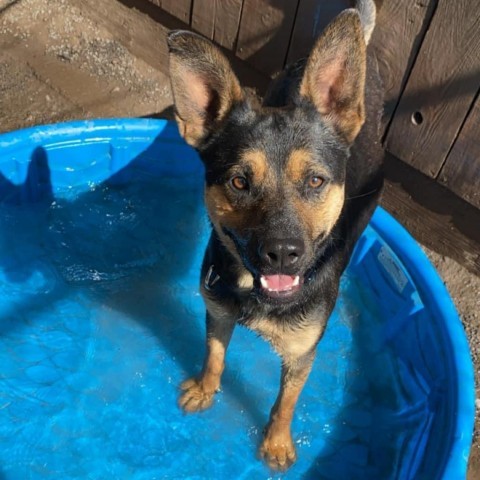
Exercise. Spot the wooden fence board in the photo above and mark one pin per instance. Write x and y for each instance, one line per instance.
(178, 8)
(461, 172)
(398, 34)
(218, 20)
(440, 89)
(203, 17)
(265, 31)
(312, 18)
(227, 22)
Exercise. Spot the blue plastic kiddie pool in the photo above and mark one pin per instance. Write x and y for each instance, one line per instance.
(102, 230)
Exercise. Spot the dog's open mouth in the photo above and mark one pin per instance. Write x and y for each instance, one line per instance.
(280, 285)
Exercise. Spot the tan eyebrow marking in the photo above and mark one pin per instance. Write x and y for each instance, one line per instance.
(299, 164)
(257, 161)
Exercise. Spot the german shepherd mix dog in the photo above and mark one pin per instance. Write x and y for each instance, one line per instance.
(290, 186)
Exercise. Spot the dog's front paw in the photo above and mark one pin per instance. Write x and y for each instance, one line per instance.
(277, 450)
(195, 396)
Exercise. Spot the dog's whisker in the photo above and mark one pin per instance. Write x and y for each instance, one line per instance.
(363, 194)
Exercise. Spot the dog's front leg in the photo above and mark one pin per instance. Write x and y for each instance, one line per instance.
(277, 448)
(198, 392)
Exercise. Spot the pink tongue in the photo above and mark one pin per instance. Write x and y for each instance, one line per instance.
(278, 283)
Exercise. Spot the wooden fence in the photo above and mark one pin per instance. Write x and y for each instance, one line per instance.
(429, 58)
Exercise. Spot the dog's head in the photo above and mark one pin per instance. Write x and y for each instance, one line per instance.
(275, 177)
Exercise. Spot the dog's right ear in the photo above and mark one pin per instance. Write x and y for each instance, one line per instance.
(204, 86)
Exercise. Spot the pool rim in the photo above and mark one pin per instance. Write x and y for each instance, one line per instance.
(395, 235)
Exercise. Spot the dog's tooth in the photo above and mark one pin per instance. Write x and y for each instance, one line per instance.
(264, 282)
(296, 281)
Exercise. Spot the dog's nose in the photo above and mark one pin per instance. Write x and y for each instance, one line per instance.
(281, 253)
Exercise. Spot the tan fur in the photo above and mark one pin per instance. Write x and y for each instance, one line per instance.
(218, 204)
(320, 217)
(299, 163)
(257, 161)
(215, 360)
(245, 279)
(222, 213)
(198, 393)
(289, 342)
(277, 447)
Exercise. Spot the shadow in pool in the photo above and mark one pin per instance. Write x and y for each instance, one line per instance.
(36, 192)
(390, 396)
(24, 209)
(350, 446)
(126, 243)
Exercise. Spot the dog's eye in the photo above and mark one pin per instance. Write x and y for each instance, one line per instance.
(315, 181)
(239, 183)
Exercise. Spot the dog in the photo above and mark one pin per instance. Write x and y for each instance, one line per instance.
(290, 184)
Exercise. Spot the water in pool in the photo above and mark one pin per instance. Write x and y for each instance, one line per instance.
(101, 320)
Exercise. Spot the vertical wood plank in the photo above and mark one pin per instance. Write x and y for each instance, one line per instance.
(218, 20)
(399, 32)
(227, 22)
(203, 17)
(265, 31)
(178, 8)
(312, 18)
(461, 172)
(441, 88)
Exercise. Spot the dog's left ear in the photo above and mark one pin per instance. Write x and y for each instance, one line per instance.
(334, 78)
(204, 86)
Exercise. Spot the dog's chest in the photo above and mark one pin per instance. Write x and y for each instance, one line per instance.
(286, 339)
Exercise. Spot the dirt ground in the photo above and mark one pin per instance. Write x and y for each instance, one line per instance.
(74, 59)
